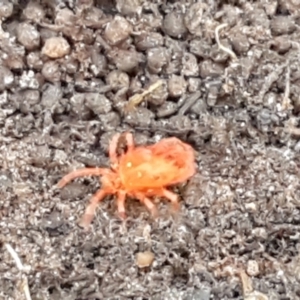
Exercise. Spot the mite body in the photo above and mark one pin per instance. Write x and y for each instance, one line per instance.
(141, 172)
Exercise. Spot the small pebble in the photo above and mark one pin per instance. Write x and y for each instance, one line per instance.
(173, 24)
(98, 103)
(282, 25)
(177, 86)
(117, 80)
(34, 11)
(56, 47)
(144, 259)
(28, 36)
(157, 58)
(240, 43)
(117, 31)
(193, 17)
(34, 61)
(209, 68)
(6, 78)
(128, 7)
(190, 65)
(125, 60)
(281, 44)
(252, 268)
(148, 40)
(51, 71)
(6, 9)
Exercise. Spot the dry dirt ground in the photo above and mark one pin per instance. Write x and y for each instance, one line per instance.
(229, 85)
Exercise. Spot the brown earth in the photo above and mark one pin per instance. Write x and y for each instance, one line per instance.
(230, 87)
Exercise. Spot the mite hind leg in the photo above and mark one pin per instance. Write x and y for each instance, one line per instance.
(91, 208)
(172, 197)
(129, 140)
(121, 204)
(148, 203)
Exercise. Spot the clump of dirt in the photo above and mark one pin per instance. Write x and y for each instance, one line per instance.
(73, 73)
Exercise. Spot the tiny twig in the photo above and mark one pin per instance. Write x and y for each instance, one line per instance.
(20, 266)
(227, 50)
(286, 98)
(190, 101)
(138, 98)
(53, 27)
(248, 290)
(15, 256)
(246, 283)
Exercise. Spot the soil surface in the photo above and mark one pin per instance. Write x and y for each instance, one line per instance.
(222, 76)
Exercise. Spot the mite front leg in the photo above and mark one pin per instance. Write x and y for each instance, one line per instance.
(81, 173)
(91, 208)
(129, 141)
(113, 149)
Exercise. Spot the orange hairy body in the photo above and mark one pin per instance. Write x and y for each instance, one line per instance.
(156, 166)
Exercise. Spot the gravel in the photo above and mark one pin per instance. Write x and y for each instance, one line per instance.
(229, 75)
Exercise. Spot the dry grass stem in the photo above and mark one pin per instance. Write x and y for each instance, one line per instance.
(138, 98)
(227, 50)
(286, 103)
(20, 266)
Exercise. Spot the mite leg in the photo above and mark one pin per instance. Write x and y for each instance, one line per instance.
(80, 173)
(129, 140)
(113, 149)
(148, 203)
(91, 208)
(121, 204)
(172, 197)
